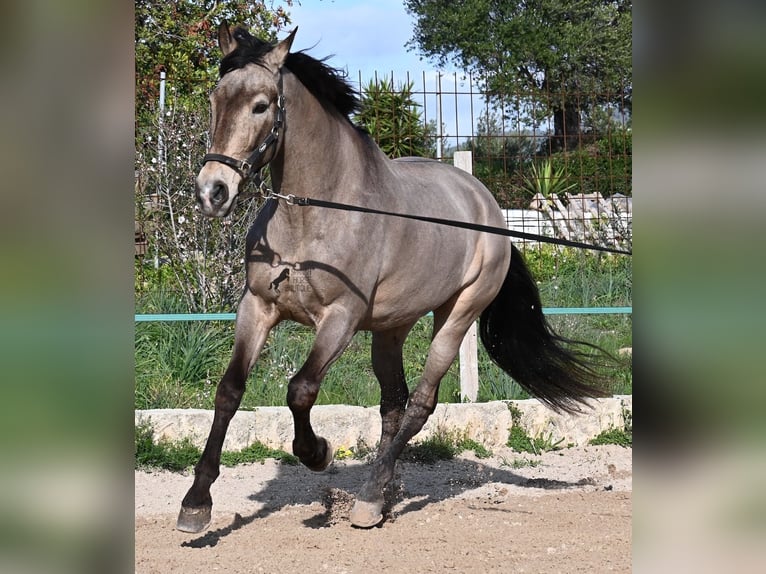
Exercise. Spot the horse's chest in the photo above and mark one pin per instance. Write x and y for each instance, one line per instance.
(290, 287)
(272, 280)
(283, 280)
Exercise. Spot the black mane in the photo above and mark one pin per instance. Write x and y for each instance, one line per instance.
(327, 84)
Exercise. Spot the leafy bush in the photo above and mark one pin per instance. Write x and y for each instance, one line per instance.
(199, 258)
(604, 166)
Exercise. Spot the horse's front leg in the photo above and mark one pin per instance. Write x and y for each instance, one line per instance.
(254, 321)
(334, 332)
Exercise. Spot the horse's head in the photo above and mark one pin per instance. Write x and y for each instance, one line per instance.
(247, 116)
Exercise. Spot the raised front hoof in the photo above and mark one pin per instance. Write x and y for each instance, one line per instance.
(325, 460)
(193, 519)
(366, 514)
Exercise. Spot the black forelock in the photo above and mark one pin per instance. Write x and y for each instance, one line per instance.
(328, 84)
(249, 50)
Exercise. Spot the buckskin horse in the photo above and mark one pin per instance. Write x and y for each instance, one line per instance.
(359, 271)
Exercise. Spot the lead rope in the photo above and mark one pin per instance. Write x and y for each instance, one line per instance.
(291, 199)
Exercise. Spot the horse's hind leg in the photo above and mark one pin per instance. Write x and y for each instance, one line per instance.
(334, 333)
(448, 333)
(254, 321)
(389, 369)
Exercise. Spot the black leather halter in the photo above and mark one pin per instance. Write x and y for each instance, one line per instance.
(248, 168)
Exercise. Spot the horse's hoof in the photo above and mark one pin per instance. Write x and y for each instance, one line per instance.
(193, 519)
(319, 467)
(366, 514)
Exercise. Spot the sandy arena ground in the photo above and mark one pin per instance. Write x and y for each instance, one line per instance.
(571, 513)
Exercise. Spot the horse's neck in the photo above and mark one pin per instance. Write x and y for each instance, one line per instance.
(322, 155)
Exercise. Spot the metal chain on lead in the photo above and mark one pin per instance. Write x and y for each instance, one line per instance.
(267, 193)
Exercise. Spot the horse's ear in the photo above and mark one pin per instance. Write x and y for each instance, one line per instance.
(225, 40)
(276, 57)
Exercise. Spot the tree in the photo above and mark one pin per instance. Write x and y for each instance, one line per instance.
(562, 57)
(497, 150)
(179, 37)
(392, 118)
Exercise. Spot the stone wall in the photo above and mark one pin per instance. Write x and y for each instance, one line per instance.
(487, 423)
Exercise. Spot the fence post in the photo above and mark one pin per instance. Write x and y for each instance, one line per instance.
(469, 363)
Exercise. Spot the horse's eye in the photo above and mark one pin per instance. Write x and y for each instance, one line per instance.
(260, 107)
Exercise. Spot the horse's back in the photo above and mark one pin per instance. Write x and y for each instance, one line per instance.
(428, 263)
(446, 191)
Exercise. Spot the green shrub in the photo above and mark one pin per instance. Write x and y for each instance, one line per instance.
(606, 166)
(545, 180)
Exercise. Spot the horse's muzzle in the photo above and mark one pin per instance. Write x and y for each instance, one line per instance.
(213, 198)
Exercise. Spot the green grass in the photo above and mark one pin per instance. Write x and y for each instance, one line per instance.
(443, 445)
(178, 364)
(520, 441)
(619, 437)
(257, 452)
(622, 437)
(175, 456)
(183, 455)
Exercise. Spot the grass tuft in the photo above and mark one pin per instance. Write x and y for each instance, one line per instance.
(520, 441)
(175, 456)
(613, 436)
(443, 445)
(257, 452)
(183, 455)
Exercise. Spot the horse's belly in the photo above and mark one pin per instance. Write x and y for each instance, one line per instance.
(403, 302)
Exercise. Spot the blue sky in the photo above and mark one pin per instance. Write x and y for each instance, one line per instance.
(363, 35)
(369, 37)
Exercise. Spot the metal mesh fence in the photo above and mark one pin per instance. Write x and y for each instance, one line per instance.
(568, 181)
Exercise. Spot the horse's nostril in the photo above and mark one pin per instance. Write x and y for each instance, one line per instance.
(219, 194)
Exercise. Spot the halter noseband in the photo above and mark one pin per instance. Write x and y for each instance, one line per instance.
(245, 167)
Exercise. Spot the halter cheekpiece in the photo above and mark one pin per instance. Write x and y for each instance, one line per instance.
(249, 168)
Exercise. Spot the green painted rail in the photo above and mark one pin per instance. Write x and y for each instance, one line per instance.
(146, 317)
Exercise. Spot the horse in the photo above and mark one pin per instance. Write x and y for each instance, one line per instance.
(358, 271)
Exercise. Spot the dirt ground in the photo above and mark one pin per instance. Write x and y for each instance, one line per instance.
(571, 513)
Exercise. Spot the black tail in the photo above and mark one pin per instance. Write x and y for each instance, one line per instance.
(519, 340)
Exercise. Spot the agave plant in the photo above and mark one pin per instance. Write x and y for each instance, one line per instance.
(546, 180)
